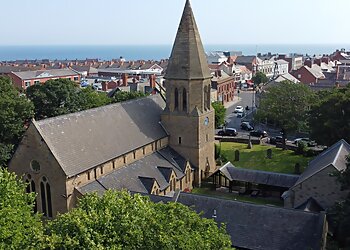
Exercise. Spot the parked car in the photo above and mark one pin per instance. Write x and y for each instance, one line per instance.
(307, 141)
(238, 109)
(228, 132)
(240, 114)
(246, 126)
(258, 133)
(277, 139)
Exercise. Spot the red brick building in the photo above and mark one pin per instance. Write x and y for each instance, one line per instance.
(225, 86)
(308, 75)
(24, 79)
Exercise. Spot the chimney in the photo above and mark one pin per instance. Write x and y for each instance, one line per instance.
(317, 61)
(219, 73)
(125, 79)
(152, 82)
(308, 63)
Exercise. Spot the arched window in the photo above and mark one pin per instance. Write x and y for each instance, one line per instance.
(208, 97)
(176, 99)
(205, 97)
(31, 189)
(45, 193)
(184, 100)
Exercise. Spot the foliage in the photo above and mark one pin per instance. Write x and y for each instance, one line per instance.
(220, 113)
(55, 97)
(259, 78)
(330, 116)
(15, 112)
(286, 104)
(340, 213)
(283, 161)
(20, 228)
(93, 99)
(121, 96)
(302, 147)
(118, 220)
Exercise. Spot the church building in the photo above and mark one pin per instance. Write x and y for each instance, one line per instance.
(151, 145)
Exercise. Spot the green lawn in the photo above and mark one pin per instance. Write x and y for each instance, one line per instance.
(231, 196)
(283, 161)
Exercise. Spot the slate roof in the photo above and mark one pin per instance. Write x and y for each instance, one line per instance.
(83, 140)
(259, 227)
(187, 60)
(245, 59)
(257, 176)
(334, 156)
(311, 205)
(26, 75)
(140, 175)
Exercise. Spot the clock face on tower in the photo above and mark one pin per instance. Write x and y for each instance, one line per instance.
(206, 121)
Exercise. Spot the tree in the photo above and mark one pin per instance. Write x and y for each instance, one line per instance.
(20, 228)
(15, 112)
(93, 99)
(330, 116)
(119, 220)
(259, 78)
(220, 113)
(121, 96)
(287, 105)
(55, 97)
(340, 213)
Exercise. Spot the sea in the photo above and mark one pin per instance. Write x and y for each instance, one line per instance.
(150, 52)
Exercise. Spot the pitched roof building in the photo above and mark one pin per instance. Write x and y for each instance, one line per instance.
(144, 145)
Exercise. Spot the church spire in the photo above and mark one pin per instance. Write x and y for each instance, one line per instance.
(187, 60)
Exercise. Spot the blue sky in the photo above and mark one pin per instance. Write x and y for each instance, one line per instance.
(89, 22)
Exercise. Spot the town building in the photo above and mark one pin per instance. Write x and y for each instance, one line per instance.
(24, 79)
(225, 86)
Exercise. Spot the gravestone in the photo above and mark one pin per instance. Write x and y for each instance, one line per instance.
(237, 155)
(269, 153)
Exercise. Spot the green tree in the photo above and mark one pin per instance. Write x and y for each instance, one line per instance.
(118, 220)
(259, 78)
(20, 228)
(15, 111)
(93, 99)
(220, 113)
(55, 97)
(121, 96)
(287, 104)
(330, 116)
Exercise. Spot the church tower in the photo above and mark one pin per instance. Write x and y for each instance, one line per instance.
(188, 116)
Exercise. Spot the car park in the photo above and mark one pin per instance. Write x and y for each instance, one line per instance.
(228, 132)
(258, 133)
(246, 126)
(238, 109)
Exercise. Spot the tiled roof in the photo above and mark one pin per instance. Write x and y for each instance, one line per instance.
(259, 227)
(257, 176)
(334, 156)
(26, 75)
(140, 175)
(83, 140)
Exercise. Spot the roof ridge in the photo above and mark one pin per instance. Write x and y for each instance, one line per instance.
(93, 109)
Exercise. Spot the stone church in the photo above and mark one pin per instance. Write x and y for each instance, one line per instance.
(146, 145)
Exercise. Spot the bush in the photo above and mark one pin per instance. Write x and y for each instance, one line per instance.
(302, 148)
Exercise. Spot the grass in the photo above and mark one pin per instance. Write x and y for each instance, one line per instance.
(283, 161)
(231, 196)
